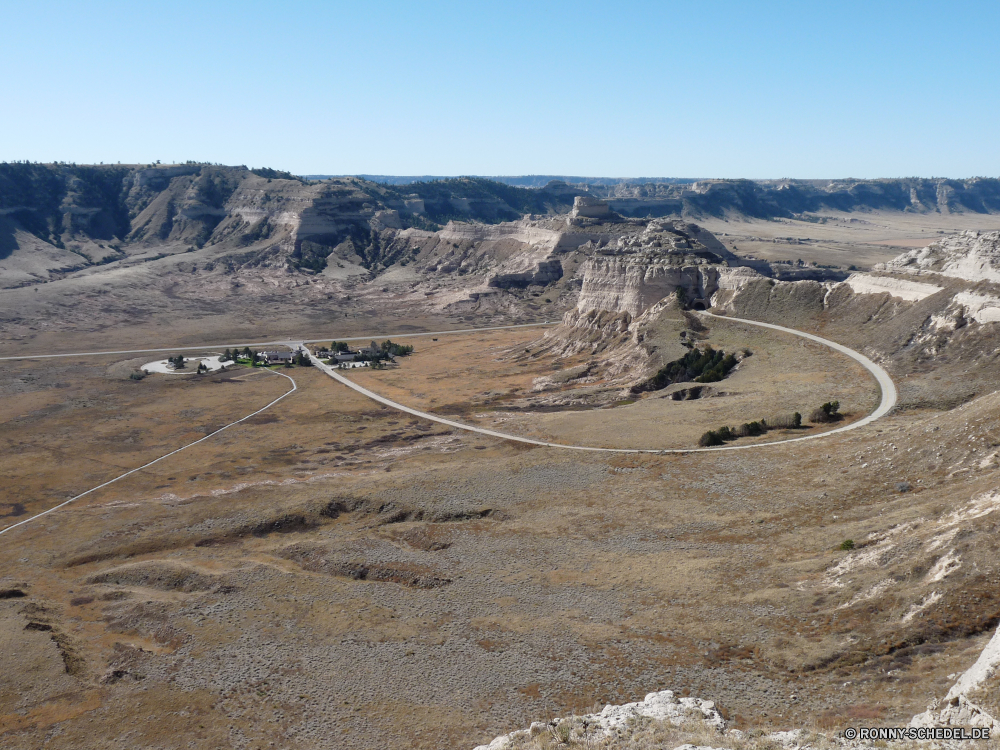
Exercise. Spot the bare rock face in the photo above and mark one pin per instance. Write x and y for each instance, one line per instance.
(632, 285)
(911, 291)
(970, 256)
(591, 208)
(618, 720)
(957, 708)
(643, 267)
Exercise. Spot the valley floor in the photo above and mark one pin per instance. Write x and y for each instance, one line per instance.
(333, 573)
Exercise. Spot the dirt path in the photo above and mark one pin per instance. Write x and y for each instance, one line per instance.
(155, 460)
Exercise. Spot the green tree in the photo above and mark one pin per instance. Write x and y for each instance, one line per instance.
(710, 439)
(828, 412)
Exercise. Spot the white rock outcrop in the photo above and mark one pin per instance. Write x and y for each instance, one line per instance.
(958, 710)
(660, 706)
(586, 206)
(911, 291)
(982, 308)
(971, 256)
(633, 284)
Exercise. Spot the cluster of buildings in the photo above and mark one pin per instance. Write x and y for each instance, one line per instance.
(373, 350)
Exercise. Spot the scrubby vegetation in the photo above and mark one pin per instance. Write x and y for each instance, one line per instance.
(749, 429)
(387, 349)
(700, 365)
(828, 412)
(396, 350)
(36, 193)
(275, 174)
(487, 200)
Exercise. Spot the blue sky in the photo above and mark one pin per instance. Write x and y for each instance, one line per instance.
(669, 89)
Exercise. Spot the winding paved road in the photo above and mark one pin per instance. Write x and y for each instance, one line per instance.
(885, 383)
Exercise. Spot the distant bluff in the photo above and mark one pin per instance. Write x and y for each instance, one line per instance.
(233, 207)
(67, 216)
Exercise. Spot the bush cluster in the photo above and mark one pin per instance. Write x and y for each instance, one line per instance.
(396, 350)
(748, 429)
(828, 412)
(700, 365)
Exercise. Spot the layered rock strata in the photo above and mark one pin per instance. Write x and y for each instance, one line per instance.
(970, 256)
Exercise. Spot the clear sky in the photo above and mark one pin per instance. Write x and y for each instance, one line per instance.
(703, 88)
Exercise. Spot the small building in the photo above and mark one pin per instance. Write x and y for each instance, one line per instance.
(347, 356)
(277, 358)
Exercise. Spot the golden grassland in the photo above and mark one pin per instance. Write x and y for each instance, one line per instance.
(476, 377)
(336, 573)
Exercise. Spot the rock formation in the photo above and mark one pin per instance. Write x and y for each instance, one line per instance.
(970, 256)
(641, 268)
(590, 208)
(619, 720)
(958, 709)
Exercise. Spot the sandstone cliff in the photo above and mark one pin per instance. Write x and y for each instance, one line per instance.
(970, 256)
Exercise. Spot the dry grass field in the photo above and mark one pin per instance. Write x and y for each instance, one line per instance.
(839, 239)
(337, 574)
(475, 377)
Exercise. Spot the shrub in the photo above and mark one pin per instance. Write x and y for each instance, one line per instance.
(709, 439)
(847, 544)
(751, 429)
(785, 422)
(828, 412)
(396, 350)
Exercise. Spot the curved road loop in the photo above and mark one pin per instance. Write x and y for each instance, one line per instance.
(887, 387)
(155, 460)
